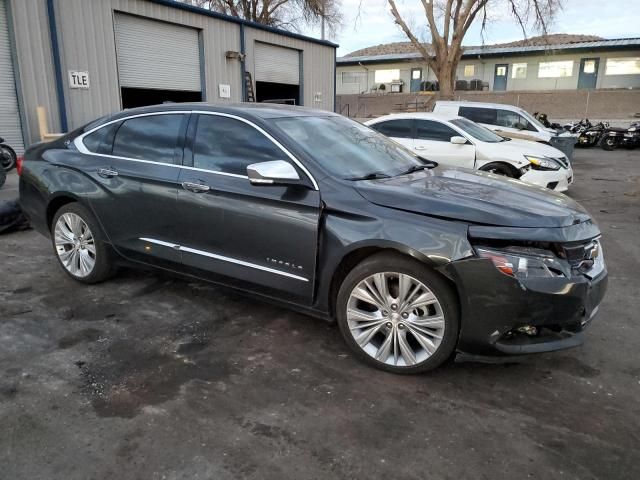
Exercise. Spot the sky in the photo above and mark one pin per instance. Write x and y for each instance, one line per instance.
(606, 18)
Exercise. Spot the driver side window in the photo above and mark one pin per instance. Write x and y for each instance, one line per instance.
(509, 119)
(228, 145)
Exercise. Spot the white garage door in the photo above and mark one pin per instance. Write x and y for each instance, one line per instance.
(277, 64)
(153, 54)
(10, 127)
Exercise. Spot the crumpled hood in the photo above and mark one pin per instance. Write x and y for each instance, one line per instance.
(475, 197)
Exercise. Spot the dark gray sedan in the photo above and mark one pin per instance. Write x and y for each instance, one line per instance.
(415, 262)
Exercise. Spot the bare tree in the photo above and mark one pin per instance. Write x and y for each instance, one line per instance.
(287, 14)
(450, 20)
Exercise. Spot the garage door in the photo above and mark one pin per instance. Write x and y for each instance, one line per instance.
(277, 64)
(10, 127)
(153, 54)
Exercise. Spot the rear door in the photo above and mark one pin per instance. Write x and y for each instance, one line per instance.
(135, 163)
(266, 235)
(433, 141)
(401, 130)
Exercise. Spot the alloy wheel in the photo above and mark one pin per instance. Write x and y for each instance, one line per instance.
(395, 319)
(75, 245)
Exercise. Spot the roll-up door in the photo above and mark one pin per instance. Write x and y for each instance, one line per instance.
(10, 126)
(157, 55)
(277, 64)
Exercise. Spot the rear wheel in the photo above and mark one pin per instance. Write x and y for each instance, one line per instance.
(398, 315)
(79, 245)
(609, 143)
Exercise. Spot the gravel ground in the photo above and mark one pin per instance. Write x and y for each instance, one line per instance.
(149, 376)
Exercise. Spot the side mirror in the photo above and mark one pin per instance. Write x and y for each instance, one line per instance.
(276, 172)
(458, 140)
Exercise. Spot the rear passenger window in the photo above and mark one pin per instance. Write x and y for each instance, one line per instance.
(99, 141)
(479, 115)
(401, 128)
(430, 130)
(227, 145)
(153, 138)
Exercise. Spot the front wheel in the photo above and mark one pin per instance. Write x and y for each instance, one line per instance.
(398, 315)
(8, 157)
(499, 169)
(79, 245)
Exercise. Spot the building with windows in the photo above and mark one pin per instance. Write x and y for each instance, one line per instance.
(81, 59)
(591, 64)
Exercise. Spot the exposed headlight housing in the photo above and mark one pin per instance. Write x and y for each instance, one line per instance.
(523, 262)
(542, 163)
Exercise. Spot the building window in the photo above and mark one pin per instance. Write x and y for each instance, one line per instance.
(353, 77)
(589, 66)
(469, 70)
(519, 70)
(555, 69)
(387, 76)
(623, 66)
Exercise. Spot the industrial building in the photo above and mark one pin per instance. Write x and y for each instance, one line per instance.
(592, 64)
(81, 59)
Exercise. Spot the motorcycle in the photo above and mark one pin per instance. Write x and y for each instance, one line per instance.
(544, 120)
(614, 137)
(590, 135)
(8, 156)
(631, 138)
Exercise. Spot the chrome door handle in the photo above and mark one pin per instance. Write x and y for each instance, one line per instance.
(420, 148)
(107, 172)
(195, 187)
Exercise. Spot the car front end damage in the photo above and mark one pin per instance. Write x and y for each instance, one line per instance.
(552, 173)
(522, 297)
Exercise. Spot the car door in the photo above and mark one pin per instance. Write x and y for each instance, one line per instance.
(134, 163)
(266, 235)
(433, 141)
(400, 130)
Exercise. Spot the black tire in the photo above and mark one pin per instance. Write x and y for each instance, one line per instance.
(499, 169)
(8, 158)
(104, 266)
(609, 143)
(444, 293)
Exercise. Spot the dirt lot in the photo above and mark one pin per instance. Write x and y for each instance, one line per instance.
(153, 377)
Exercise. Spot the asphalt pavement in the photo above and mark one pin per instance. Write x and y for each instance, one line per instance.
(153, 377)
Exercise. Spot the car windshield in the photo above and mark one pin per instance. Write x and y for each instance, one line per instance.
(347, 148)
(477, 131)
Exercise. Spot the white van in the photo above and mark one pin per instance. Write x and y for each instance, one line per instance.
(506, 120)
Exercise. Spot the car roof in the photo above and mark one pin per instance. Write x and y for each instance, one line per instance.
(245, 110)
(446, 117)
(478, 104)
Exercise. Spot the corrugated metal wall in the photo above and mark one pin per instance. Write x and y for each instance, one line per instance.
(87, 43)
(10, 125)
(85, 33)
(317, 65)
(35, 65)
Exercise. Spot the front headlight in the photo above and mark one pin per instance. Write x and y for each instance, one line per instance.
(523, 262)
(542, 163)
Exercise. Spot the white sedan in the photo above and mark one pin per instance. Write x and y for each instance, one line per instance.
(457, 141)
